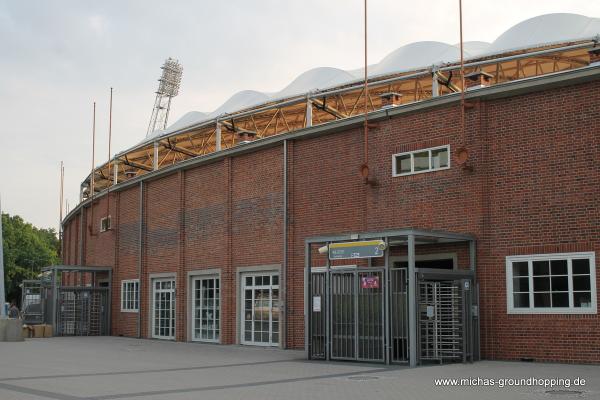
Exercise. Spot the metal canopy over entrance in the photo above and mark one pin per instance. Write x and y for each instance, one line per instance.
(379, 309)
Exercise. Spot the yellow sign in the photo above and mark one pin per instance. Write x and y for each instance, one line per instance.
(363, 249)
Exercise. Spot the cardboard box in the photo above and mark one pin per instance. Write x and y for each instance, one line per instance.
(38, 331)
(26, 332)
(48, 331)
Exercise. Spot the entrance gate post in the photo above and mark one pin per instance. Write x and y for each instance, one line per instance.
(387, 293)
(327, 308)
(307, 301)
(412, 296)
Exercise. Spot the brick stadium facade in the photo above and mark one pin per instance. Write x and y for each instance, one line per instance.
(530, 186)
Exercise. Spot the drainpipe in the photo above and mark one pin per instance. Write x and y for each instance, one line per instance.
(80, 261)
(140, 242)
(283, 284)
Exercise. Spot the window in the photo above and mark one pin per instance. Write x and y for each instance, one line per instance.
(551, 283)
(105, 224)
(130, 292)
(163, 308)
(260, 316)
(427, 160)
(205, 309)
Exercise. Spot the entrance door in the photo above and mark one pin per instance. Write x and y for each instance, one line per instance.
(205, 309)
(343, 315)
(370, 315)
(163, 308)
(357, 308)
(260, 316)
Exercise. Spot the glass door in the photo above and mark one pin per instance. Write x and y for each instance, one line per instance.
(205, 309)
(163, 309)
(260, 316)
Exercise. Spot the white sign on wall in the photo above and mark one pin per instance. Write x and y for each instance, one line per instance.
(316, 303)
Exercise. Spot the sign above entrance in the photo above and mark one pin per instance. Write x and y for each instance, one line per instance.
(364, 249)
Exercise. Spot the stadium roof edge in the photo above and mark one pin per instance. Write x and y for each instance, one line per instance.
(507, 89)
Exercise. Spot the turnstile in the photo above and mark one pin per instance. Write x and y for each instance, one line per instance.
(82, 311)
(440, 321)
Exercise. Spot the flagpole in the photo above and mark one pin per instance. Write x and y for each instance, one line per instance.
(2, 294)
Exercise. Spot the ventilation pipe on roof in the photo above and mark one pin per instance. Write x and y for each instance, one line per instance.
(594, 55)
(477, 79)
(390, 99)
(435, 84)
(245, 137)
(218, 137)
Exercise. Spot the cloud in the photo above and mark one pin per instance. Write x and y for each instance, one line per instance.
(97, 24)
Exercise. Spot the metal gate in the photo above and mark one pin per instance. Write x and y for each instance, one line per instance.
(441, 318)
(343, 313)
(357, 315)
(82, 311)
(399, 316)
(348, 310)
(318, 347)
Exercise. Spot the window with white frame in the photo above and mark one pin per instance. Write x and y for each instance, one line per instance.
(130, 292)
(105, 224)
(551, 283)
(424, 160)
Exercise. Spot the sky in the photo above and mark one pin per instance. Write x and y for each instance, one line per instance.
(58, 57)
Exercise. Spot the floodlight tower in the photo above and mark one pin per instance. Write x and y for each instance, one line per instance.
(168, 88)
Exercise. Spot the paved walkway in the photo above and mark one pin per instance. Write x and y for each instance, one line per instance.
(117, 368)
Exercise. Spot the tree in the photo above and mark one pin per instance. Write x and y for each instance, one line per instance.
(26, 250)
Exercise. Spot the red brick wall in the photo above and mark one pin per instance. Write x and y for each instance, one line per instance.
(162, 240)
(100, 246)
(542, 197)
(256, 212)
(532, 188)
(327, 197)
(71, 241)
(206, 230)
(125, 323)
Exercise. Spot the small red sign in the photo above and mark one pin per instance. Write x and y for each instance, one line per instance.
(369, 282)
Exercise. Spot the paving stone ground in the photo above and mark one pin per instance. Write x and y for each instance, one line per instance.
(105, 368)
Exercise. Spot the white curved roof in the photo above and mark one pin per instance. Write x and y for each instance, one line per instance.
(537, 31)
(313, 79)
(546, 29)
(415, 55)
